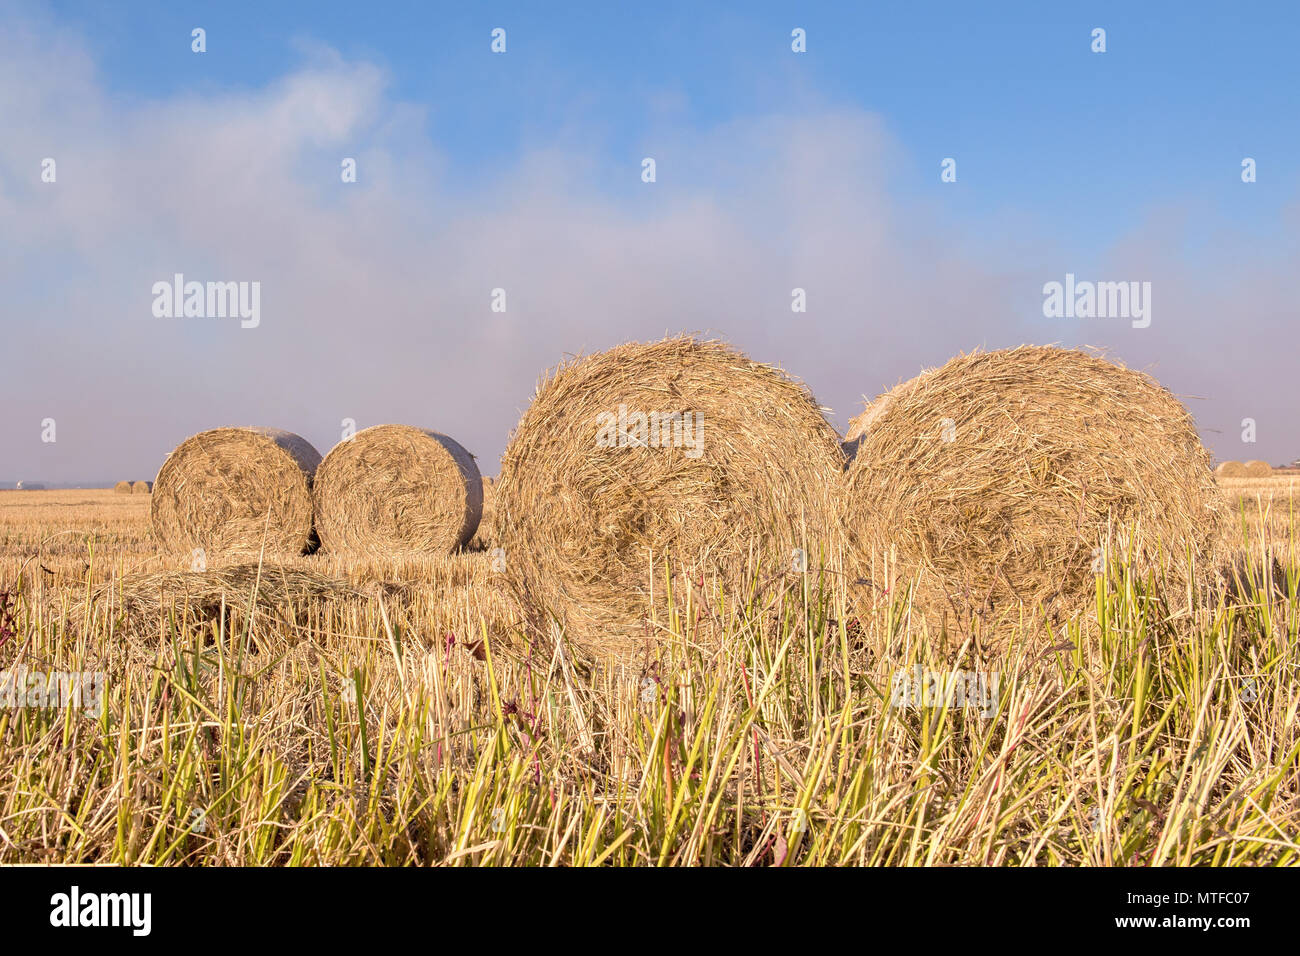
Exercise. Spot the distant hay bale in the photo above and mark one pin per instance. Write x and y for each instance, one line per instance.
(230, 490)
(122, 488)
(142, 488)
(677, 454)
(397, 489)
(1003, 477)
(1230, 469)
(1258, 469)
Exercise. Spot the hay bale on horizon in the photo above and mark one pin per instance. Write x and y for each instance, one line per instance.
(142, 488)
(234, 490)
(674, 455)
(1002, 476)
(1258, 469)
(397, 489)
(122, 488)
(1230, 469)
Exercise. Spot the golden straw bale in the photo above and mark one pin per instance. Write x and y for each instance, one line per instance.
(395, 489)
(233, 490)
(681, 456)
(1010, 476)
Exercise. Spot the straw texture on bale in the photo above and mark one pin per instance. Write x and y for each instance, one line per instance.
(231, 490)
(397, 489)
(861, 423)
(142, 487)
(1258, 469)
(1002, 477)
(122, 488)
(1231, 469)
(592, 503)
(483, 537)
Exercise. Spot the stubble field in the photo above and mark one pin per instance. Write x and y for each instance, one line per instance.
(329, 711)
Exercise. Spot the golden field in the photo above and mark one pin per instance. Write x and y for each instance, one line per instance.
(381, 712)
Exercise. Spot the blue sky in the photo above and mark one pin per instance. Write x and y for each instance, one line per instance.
(1012, 89)
(478, 170)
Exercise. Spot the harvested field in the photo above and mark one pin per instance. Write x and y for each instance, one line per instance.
(334, 653)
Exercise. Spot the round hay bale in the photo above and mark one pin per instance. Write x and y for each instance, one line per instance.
(1258, 469)
(1002, 477)
(1230, 469)
(397, 489)
(142, 488)
(229, 490)
(122, 488)
(674, 455)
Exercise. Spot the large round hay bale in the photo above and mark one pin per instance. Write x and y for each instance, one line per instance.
(671, 456)
(1258, 469)
(1006, 477)
(232, 490)
(142, 487)
(122, 488)
(393, 489)
(1230, 469)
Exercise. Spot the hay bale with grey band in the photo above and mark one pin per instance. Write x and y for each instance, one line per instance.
(396, 489)
(236, 491)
